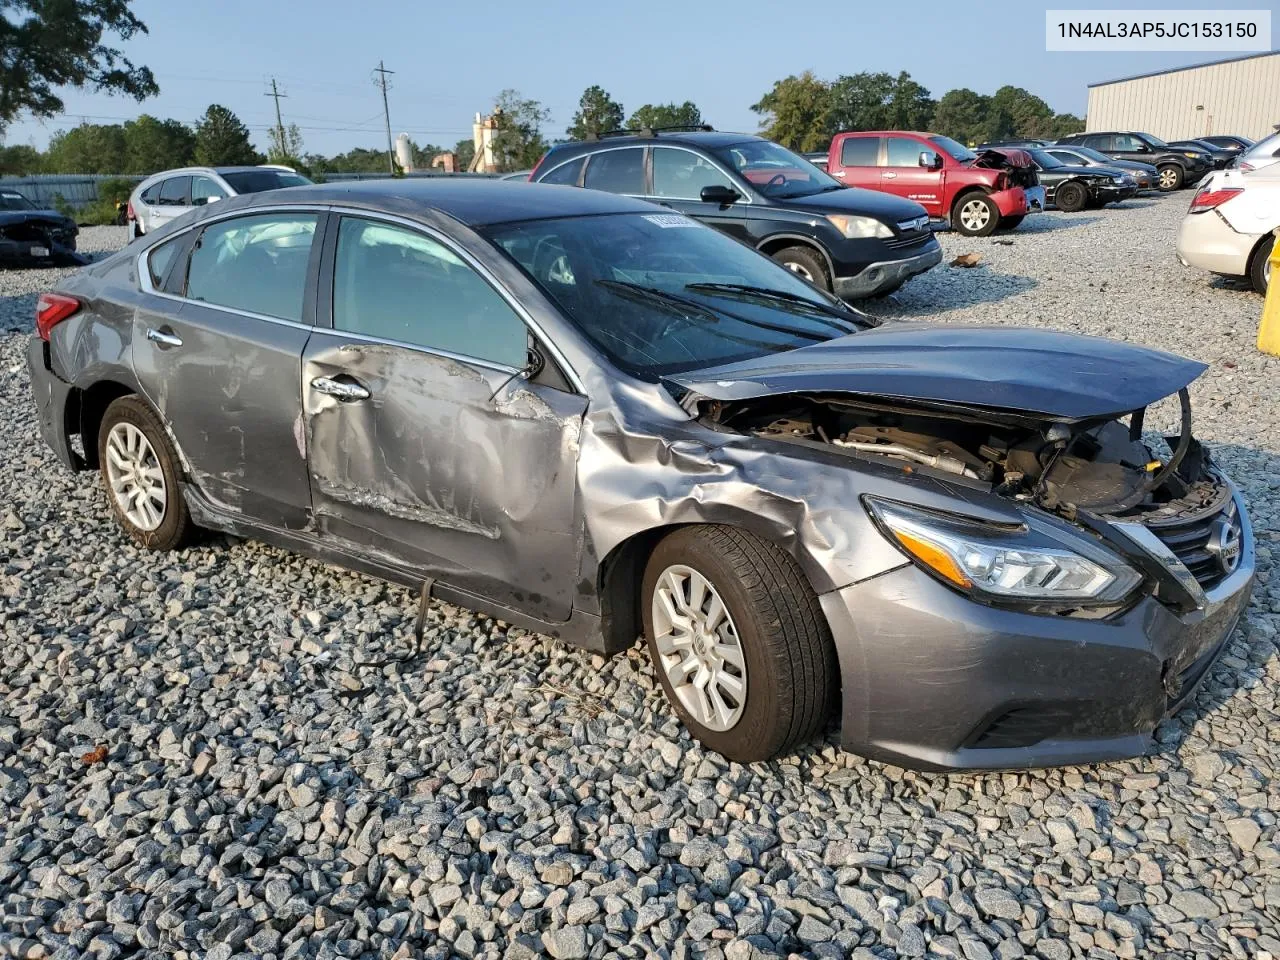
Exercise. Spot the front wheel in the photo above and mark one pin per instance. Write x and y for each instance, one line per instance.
(1071, 197)
(1260, 272)
(140, 472)
(1169, 177)
(976, 215)
(806, 263)
(738, 641)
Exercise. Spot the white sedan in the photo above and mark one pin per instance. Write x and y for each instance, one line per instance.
(1230, 226)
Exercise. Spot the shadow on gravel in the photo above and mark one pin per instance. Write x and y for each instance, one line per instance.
(954, 287)
(1048, 224)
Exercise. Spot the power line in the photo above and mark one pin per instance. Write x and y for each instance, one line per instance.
(383, 72)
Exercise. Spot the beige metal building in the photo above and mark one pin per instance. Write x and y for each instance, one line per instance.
(1240, 96)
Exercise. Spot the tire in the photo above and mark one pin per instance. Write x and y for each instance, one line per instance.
(975, 215)
(1011, 223)
(1071, 197)
(1260, 269)
(155, 522)
(1169, 177)
(807, 263)
(772, 619)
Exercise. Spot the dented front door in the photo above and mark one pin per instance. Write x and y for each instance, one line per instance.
(456, 469)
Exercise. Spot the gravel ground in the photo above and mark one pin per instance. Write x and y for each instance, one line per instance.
(200, 755)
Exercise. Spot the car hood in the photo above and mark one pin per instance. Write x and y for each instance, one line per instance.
(855, 200)
(1060, 376)
(1133, 165)
(19, 216)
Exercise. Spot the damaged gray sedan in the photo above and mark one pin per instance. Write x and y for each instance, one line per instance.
(599, 420)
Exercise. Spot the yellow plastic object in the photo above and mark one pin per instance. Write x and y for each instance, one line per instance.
(1269, 328)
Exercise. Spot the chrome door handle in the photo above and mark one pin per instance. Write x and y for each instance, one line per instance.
(163, 338)
(341, 389)
(840, 173)
(888, 176)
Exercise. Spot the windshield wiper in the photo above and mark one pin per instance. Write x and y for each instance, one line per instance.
(847, 317)
(671, 300)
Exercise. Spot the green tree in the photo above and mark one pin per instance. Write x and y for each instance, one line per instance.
(961, 115)
(424, 154)
(1015, 112)
(464, 151)
(518, 141)
(88, 148)
(795, 112)
(879, 101)
(653, 115)
(47, 44)
(20, 159)
(222, 140)
(1063, 125)
(284, 146)
(597, 113)
(152, 145)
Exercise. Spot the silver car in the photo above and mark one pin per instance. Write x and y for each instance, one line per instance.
(166, 196)
(601, 420)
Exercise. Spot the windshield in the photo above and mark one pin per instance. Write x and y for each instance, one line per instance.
(1045, 161)
(1266, 147)
(659, 293)
(256, 181)
(775, 171)
(1152, 140)
(15, 201)
(957, 151)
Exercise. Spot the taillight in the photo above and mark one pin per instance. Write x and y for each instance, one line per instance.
(534, 171)
(51, 310)
(1206, 199)
(128, 211)
(1246, 166)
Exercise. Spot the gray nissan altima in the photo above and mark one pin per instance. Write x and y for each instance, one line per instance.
(600, 420)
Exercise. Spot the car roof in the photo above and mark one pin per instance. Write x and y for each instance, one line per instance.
(473, 201)
(702, 138)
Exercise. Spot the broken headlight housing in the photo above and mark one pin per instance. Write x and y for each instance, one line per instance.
(1023, 564)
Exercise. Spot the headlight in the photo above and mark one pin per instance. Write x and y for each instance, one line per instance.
(859, 228)
(1195, 156)
(1026, 563)
(1119, 179)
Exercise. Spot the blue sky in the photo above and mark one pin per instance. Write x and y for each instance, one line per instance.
(452, 58)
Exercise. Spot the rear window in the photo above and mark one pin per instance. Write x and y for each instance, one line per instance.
(860, 152)
(617, 171)
(175, 192)
(159, 259)
(257, 181)
(14, 201)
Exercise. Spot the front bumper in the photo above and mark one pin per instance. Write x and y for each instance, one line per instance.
(1206, 240)
(887, 274)
(932, 680)
(52, 397)
(1115, 192)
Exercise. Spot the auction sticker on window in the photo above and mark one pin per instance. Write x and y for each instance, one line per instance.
(666, 220)
(1145, 30)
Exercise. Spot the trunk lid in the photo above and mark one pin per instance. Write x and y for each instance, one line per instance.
(1050, 375)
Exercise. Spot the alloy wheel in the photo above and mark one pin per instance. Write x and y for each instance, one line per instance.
(800, 269)
(974, 215)
(1168, 178)
(135, 477)
(699, 648)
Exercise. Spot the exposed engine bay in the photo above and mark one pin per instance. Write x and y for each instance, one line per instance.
(1102, 467)
(1019, 169)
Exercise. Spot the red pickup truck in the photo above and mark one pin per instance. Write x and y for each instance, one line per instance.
(976, 192)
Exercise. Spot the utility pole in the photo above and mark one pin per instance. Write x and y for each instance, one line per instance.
(382, 72)
(275, 92)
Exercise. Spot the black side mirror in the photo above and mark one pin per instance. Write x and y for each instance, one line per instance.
(718, 193)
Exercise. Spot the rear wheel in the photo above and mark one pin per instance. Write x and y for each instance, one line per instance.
(1071, 197)
(975, 215)
(1169, 177)
(805, 262)
(738, 641)
(140, 472)
(1260, 271)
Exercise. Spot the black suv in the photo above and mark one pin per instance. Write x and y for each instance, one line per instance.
(1177, 166)
(857, 243)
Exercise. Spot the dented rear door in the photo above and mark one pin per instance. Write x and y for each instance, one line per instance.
(427, 446)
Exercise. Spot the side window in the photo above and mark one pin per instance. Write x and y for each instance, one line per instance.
(617, 171)
(860, 152)
(258, 264)
(151, 195)
(175, 192)
(682, 175)
(398, 284)
(159, 258)
(204, 190)
(567, 174)
(1100, 143)
(904, 152)
(1065, 157)
(1124, 141)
